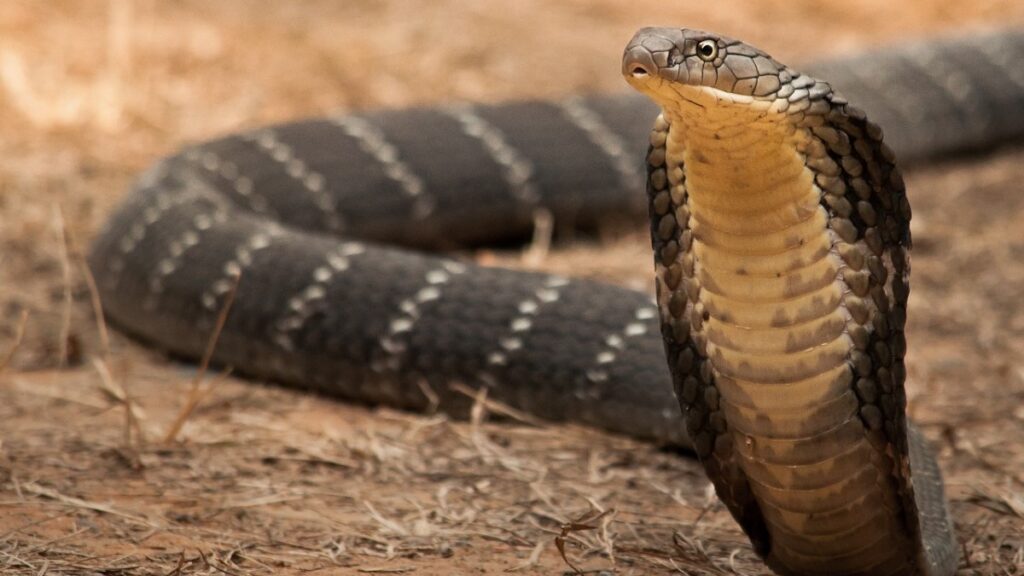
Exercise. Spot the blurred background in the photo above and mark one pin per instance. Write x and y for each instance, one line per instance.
(92, 91)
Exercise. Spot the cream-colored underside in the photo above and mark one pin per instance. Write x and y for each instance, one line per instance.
(770, 313)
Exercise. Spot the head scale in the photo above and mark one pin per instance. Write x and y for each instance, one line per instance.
(694, 63)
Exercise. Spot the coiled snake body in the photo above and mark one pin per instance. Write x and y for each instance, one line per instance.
(780, 248)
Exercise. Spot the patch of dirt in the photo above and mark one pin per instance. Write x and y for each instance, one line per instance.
(269, 481)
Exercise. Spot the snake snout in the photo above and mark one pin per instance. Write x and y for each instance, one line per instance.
(638, 62)
(650, 53)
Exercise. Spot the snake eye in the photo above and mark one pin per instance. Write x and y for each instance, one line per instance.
(707, 50)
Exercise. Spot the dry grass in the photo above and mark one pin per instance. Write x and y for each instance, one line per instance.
(265, 481)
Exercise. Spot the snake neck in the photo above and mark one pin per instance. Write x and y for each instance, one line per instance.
(766, 303)
(766, 293)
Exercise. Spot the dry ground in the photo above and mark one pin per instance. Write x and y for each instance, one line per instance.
(263, 480)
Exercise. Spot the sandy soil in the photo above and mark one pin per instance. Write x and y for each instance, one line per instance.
(268, 481)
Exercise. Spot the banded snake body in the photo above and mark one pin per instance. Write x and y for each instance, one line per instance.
(780, 229)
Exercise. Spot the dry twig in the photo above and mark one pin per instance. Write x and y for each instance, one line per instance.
(583, 523)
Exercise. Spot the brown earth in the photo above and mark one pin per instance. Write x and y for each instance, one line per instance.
(268, 481)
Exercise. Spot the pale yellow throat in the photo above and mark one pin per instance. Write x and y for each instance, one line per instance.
(766, 292)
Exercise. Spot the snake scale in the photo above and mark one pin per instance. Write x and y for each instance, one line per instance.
(780, 229)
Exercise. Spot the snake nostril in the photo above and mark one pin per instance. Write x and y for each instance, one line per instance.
(639, 70)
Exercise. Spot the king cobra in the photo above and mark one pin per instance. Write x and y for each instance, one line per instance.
(780, 233)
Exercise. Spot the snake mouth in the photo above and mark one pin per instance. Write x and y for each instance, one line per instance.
(639, 71)
(638, 63)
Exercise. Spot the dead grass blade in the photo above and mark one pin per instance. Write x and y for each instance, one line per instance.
(109, 385)
(132, 412)
(533, 559)
(19, 335)
(97, 304)
(1000, 501)
(496, 406)
(540, 244)
(52, 494)
(196, 393)
(71, 252)
(65, 268)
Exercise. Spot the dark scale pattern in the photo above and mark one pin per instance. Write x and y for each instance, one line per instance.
(869, 196)
(692, 377)
(937, 98)
(339, 340)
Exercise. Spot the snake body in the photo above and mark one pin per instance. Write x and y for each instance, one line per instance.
(781, 230)
(302, 213)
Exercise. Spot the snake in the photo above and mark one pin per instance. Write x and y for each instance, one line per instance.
(780, 233)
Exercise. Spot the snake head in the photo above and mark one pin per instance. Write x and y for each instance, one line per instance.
(678, 66)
